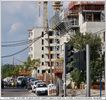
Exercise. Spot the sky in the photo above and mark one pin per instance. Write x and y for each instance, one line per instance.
(16, 18)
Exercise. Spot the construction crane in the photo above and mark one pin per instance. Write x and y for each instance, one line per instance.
(46, 30)
(56, 5)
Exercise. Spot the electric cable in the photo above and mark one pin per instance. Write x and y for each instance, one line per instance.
(25, 40)
(22, 49)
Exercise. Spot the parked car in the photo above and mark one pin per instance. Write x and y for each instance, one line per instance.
(33, 85)
(41, 89)
(19, 80)
(30, 81)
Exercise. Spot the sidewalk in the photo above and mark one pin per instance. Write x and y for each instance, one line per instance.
(82, 93)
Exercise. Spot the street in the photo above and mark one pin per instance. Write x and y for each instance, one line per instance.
(55, 50)
(21, 92)
(17, 92)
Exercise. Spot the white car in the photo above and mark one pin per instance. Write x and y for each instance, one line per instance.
(33, 85)
(41, 89)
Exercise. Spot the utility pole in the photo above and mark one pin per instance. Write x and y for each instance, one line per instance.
(87, 71)
(64, 73)
(105, 48)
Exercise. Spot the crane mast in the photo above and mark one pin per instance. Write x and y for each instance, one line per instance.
(46, 29)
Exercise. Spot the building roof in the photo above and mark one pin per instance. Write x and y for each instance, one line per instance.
(75, 4)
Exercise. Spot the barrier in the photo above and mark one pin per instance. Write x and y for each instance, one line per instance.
(51, 90)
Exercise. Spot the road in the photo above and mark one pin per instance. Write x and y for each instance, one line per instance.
(21, 92)
(17, 92)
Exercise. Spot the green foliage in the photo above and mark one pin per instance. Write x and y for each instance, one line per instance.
(31, 63)
(79, 42)
(9, 70)
(77, 76)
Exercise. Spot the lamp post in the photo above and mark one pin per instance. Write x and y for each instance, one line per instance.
(105, 48)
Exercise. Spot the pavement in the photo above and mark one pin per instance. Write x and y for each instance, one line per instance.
(82, 93)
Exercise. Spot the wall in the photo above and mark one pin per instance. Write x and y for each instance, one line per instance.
(92, 27)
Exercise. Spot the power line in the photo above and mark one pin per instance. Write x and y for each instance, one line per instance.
(23, 49)
(14, 41)
(15, 44)
(19, 60)
(18, 44)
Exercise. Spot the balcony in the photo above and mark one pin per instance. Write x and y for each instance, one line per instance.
(52, 52)
(51, 37)
(92, 27)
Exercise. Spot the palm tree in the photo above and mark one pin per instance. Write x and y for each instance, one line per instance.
(30, 64)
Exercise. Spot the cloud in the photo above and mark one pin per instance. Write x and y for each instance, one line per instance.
(16, 27)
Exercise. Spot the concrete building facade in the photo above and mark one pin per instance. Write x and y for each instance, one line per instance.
(40, 48)
(82, 16)
(35, 47)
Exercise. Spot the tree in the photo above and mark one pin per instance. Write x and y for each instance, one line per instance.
(9, 70)
(77, 76)
(31, 63)
(79, 42)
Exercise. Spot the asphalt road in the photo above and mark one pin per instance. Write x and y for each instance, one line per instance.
(16, 92)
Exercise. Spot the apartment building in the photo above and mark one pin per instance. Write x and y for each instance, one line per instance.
(90, 17)
(79, 16)
(51, 44)
(40, 48)
(82, 16)
(35, 47)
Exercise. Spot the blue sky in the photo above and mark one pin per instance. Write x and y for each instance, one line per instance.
(16, 18)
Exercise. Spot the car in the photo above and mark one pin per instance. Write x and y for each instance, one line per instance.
(30, 81)
(19, 80)
(41, 89)
(33, 85)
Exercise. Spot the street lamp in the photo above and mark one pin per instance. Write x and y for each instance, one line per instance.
(105, 48)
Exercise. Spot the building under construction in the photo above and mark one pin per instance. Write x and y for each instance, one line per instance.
(82, 16)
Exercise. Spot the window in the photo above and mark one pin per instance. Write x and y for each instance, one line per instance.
(38, 71)
(50, 33)
(52, 63)
(49, 71)
(51, 48)
(51, 56)
(104, 36)
(97, 17)
(57, 48)
(42, 42)
(48, 64)
(58, 56)
(51, 41)
(57, 33)
(57, 63)
(42, 56)
(42, 48)
(42, 63)
(42, 34)
(43, 71)
(57, 41)
(88, 17)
